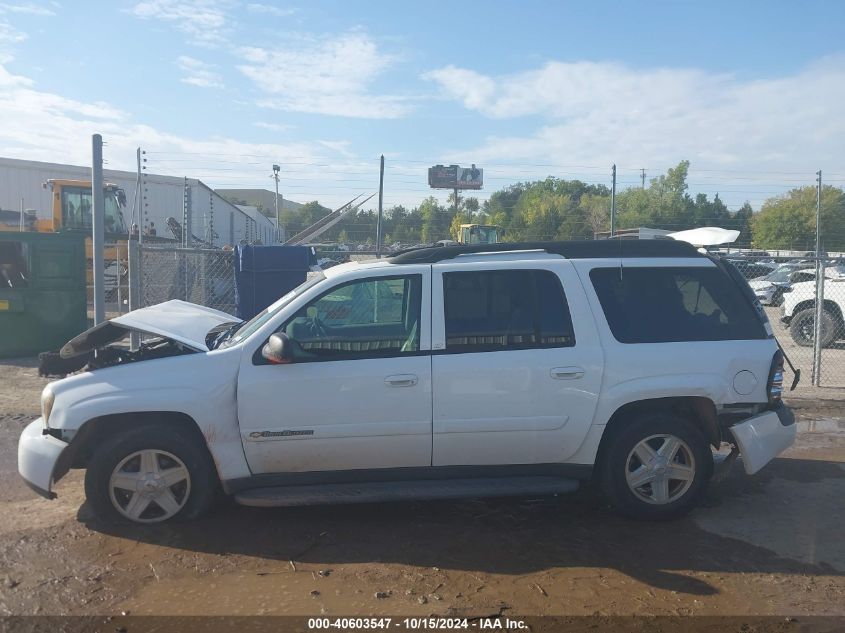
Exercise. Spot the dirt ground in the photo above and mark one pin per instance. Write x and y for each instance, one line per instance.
(765, 545)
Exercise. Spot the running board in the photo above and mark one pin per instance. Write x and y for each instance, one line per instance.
(417, 490)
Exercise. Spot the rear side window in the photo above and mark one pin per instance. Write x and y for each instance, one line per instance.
(505, 309)
(662, 305)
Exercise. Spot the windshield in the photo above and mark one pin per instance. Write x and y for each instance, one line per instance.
(77, 206)
(780, 275)
(246, 329)
(481, 235)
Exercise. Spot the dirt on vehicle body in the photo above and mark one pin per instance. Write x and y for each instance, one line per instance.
(770, 544)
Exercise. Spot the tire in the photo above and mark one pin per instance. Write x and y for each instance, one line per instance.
(692, 461)
(801, 328)
(172, 474)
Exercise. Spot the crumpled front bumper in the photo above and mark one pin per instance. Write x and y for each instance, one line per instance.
(37, 457)
(763, 437)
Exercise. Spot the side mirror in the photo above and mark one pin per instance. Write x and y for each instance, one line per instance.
(278, 350)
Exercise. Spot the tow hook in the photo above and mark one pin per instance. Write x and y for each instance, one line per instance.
(723, 467)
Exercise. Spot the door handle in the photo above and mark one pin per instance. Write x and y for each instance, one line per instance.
(566, 373)
(401, 380)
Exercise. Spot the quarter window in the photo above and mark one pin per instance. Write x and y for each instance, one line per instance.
(662, 305)
(361, 319)
(505, 309)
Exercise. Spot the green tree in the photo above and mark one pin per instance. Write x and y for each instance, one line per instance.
(435, 220)
(596, 210)
(741, 221)
(789, 221)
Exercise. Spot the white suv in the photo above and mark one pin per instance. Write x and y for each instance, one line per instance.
(799, 309)
(443, 372)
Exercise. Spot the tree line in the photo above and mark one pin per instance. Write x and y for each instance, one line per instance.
(558, 209)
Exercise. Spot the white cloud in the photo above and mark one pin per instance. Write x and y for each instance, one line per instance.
(10, 35)
(329, 76)
(596, 113)
(39, 125)
(269, 9)
(341, 147)
(29, 8)
(199, 73)
(274, 127)
(204, 21)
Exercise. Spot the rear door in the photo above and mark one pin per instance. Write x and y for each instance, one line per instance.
(516, 364)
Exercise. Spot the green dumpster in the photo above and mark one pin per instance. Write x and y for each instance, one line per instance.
(42, 291)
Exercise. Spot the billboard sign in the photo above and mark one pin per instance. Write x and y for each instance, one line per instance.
(455, 177)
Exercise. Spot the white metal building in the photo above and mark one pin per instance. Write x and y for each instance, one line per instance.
(213, 219)
(265, 228)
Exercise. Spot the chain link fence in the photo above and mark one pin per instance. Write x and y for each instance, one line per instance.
(804, 298)
(202, 276)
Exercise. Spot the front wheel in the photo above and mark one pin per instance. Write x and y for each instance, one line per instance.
(656, 467)
(150, 474)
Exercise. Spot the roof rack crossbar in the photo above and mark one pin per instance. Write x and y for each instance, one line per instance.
(584, 249)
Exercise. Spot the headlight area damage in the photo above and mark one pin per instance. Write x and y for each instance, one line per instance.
(172, 328)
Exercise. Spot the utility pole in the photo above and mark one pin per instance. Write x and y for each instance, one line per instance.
(613, 203)
(98, 226)
(380, 206)
(642, 176)
(276, 170)
(817, 321)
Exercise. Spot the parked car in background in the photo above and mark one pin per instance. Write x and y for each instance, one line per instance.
(442, 372)
(799, 308)
(751, 269)
(769, 288)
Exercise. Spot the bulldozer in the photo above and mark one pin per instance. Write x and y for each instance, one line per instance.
(479, 234)
(71, 210)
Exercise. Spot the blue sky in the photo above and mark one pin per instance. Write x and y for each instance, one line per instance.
(749, 92)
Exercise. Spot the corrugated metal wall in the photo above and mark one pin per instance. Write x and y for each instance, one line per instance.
(161, 197)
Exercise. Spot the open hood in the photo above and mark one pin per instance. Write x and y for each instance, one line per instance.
(180, 321)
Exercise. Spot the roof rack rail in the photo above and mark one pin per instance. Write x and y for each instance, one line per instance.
(584, 249)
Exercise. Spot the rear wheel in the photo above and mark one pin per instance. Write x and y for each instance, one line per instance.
(657, 467)
(802, 328)
(150, 474)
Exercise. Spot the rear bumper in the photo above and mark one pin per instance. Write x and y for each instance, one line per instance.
(763, 437)
(37, 457)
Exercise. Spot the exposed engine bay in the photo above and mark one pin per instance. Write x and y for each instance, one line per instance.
(53, 364)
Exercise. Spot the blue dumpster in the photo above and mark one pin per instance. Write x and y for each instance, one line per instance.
(265, 273)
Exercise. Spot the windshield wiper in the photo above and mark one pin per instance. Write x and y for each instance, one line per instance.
(224, 335)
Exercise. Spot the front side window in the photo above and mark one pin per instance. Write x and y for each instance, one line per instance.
(505, 309)
(113, 216)
(367, 318)
(663, 305)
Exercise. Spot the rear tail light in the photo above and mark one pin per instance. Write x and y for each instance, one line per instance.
(775, 386)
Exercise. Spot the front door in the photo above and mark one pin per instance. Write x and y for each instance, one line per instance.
(516, 372)
(358, 392)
